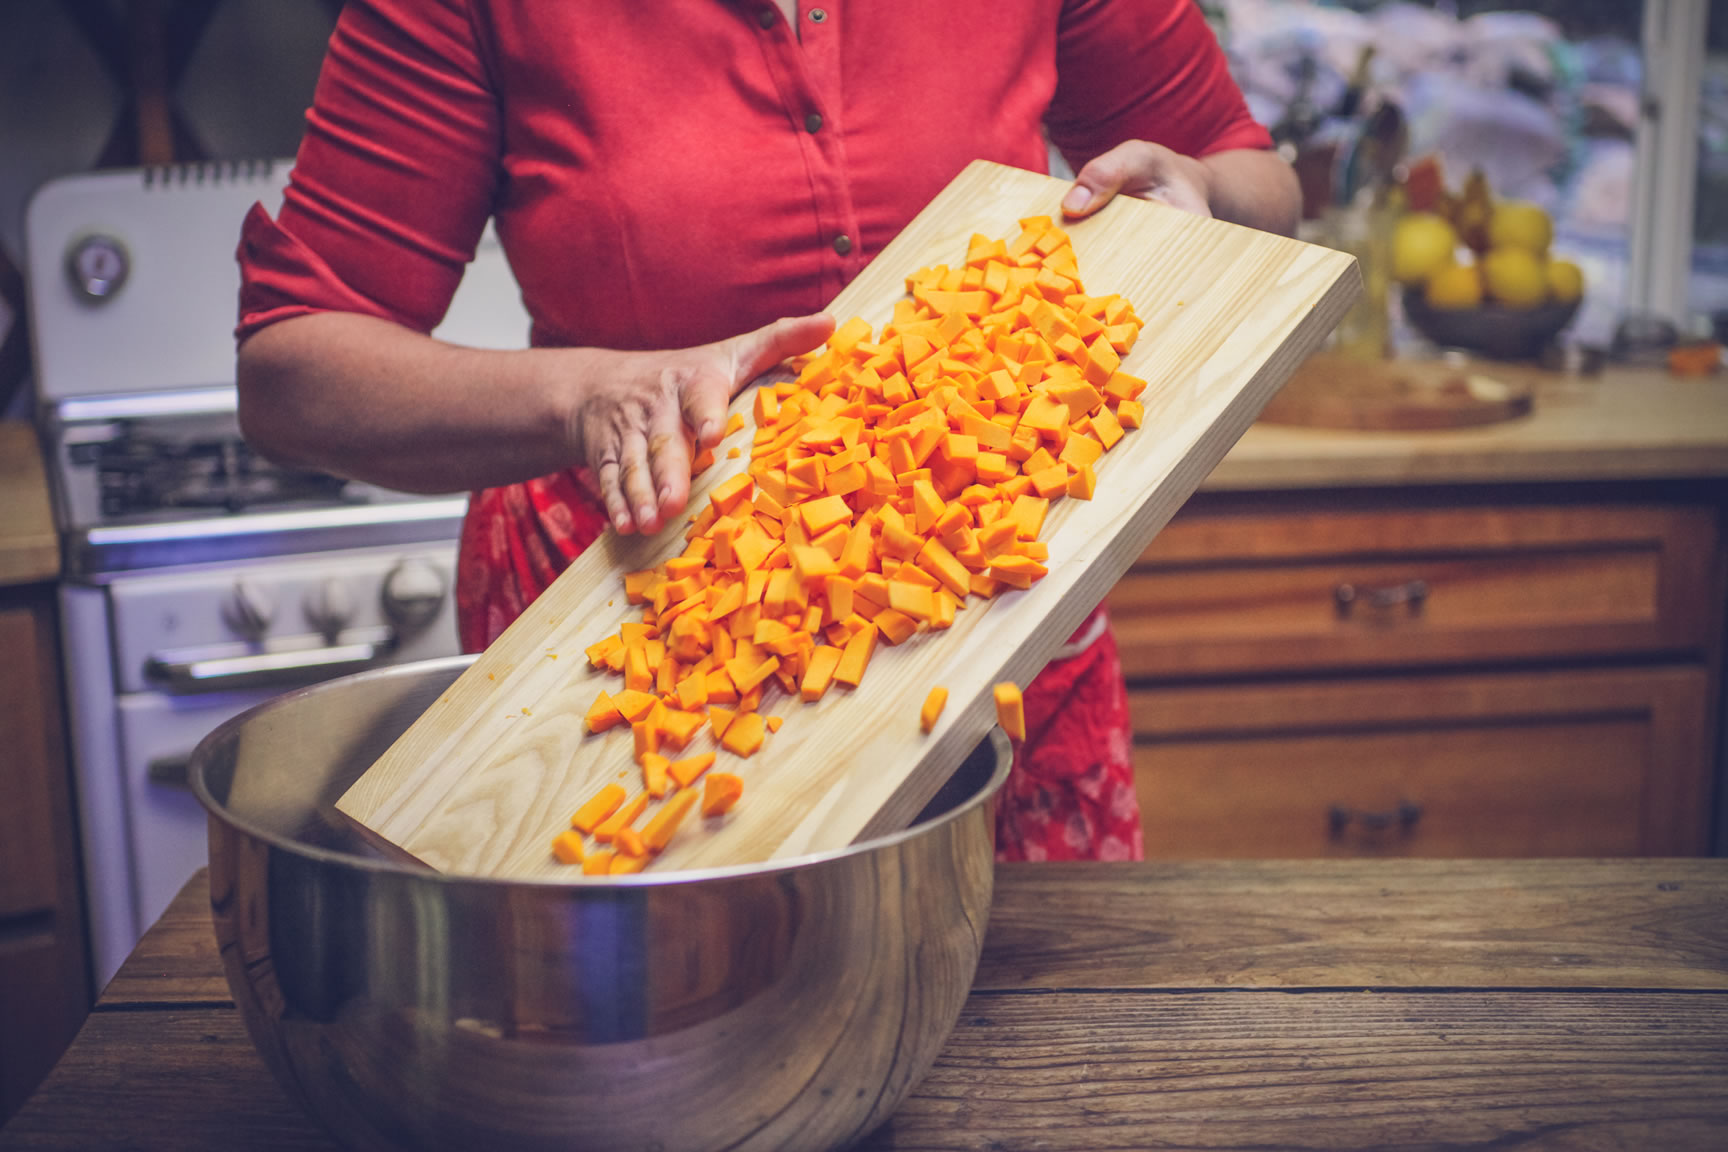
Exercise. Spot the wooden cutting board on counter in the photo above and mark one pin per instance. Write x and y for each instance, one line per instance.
(1333, 391)
(484, 780)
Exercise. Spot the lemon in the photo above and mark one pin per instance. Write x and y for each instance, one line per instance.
(1520, 224)
(1514, 277)
(1422, 244)
(1454, 288)
(1565, 281)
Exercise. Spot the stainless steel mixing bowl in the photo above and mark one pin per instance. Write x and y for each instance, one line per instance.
(787, 1006)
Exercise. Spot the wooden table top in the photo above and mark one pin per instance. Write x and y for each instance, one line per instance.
(1217, 1005)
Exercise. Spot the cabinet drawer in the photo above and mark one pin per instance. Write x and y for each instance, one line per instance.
(1599, 763)
(29, 876)
(1222, 592)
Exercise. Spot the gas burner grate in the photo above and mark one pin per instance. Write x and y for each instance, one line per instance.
(138, 475)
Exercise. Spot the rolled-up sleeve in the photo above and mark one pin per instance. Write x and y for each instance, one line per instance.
(395, 176)
(1145, 70)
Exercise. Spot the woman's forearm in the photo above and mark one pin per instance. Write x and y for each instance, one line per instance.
(1254, 187)
(369, 400)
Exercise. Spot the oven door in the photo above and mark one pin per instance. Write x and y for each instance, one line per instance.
(153, 666)
(169, 842)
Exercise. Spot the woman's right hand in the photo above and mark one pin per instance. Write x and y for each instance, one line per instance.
(368, 399)
(639, 416)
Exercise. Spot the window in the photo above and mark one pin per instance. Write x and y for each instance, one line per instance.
(1707, 291)
(1543, 97)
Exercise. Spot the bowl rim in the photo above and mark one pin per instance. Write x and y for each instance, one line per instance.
(224, 733)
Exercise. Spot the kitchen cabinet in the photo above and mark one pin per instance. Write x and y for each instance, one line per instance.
(1494, 670)
(1497, 640)
(44, 974)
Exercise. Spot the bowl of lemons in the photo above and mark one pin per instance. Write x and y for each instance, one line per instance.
(1477, 274)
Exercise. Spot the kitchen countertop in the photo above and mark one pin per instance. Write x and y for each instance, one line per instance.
(1392, 1004)
(1624, 424)
(29, 545)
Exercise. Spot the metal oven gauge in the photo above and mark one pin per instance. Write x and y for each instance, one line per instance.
(97, 265)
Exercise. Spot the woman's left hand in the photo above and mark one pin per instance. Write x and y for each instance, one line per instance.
(1145, 170)
(1251, 186)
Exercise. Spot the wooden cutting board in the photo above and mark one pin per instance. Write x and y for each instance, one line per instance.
(482, 782)
(1332, 391)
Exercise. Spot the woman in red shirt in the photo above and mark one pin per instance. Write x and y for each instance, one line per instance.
(680, 187)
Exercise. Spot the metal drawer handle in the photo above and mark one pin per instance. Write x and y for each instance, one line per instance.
(1403, 818)
(218, 669)
(170, 772)
(1413, 594)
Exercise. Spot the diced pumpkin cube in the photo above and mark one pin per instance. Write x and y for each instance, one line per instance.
(1051, 481)
(932, 710)
(599, 651)
(819, 673)
(603, 804)
(603, 713)
(1081, 451)
(745, 734)
(633, 704)
(1027, 513)
(855, 657)
(622, 818)
(657, 833)
(914, 600)
(638, 584)
(679, 726)
(823, 513)
(730, 493)
(654, 776)
(567, 847)
(686, 770)
(811, 564)
(895, 626)
(720, 791)
(1010, 710)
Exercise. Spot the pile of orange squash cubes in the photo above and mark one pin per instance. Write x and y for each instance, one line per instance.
(900, 475)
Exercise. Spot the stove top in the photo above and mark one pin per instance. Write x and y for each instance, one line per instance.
(132, 290)
(137, 474)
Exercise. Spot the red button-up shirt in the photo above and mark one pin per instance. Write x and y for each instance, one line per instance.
(669, 173)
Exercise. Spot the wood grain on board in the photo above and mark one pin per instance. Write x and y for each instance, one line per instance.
(493, 770)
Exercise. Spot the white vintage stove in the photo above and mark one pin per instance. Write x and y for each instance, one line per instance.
(200, 579)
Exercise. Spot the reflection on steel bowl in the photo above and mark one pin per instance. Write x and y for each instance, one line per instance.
(1491, 330)
(783, 1005)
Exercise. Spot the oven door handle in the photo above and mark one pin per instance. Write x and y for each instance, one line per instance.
(214, 670)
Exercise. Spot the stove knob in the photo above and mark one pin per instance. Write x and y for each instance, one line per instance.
(97, 265)
(330, 607)
(251, 609)
(413, 593)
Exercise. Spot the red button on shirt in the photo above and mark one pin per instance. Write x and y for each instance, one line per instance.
(672, 173)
